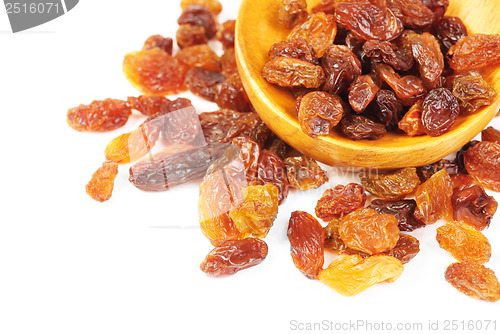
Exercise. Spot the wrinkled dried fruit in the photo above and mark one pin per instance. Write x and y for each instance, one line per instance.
(158, 41)
(304, 173)
(408, 88)
(294, 48)
(425, 172)
(339, 201)
(413, 13)
(318, 112)
(474, 280)
(440, 111)
(228, 62)
(199, 16)
(398, 55)
(255, 215)
(152, 105)
(357, 127)
(433, 198)
(318, 30)
(233, 256)
(203, 82)
(391, 186)
(100, 187)
(427, 53)
(490, 134)
(475, 51)
(155, 72)
(213, 5)
(231, 95)
(387, 109)
(460, 157)
(326, 6)
(188, 35)
(472, 92)
(271, 169)
(129, 147)
(403, 210)
(332, 236)
(449, 30)
(341, 67)
(368, 231)
(99, 116)
(411, 123)
(199, 56)
(291, 72)
(362, 91)
(464, 242)
(307, 240)
(226, 33)
(471, 204)
(482, 161)
(292, 12)
(350, 275)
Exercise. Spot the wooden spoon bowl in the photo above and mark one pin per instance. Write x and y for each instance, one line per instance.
(257, 29)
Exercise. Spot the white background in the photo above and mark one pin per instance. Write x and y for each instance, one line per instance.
(69, 264)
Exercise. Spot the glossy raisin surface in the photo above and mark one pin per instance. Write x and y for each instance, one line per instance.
(472, 92)
(291, 72)
(318, 30)
(427, 53)
(482, 161)
(475, 51)
(433, 198)
(472, 205)
(411, 123)
(362, 91)
(100, 116)
(318, 112)
(292, 12)
(294, 48)
(199, 16)
(341, 67)
(188, 35)
(474, 280)
(199, 56)
(158, 41)
(490, 134)
(440, 110)
(340, 200)
(357, 127)
(403, 210)
(203, 82)
(304, 173)
(391, 186)
(226, 34)
(449, 30)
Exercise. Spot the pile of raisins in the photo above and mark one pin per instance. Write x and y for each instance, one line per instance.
(247, 172)
(369, 67)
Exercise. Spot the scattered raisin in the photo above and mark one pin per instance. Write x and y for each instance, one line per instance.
(482, 161)
(459, 159)
(339, 201)
(403, 210)
(474, 279)
(472, 205)
(213, 5)
(199, 56)
(100, 187)
(188, 35)
(425, 172)
(391, 186)
(158, 41)
(304, 173)
(490, 134)
(105, 115)
(433, 198)
(226, 33)
(203, 82)
(199, 16)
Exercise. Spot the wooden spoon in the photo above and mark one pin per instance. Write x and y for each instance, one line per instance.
(257, 29)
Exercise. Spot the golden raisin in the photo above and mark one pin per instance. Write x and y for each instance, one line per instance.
(474, 280)
(433, 198)
(100, 187)
(99, 116)
(318, 30)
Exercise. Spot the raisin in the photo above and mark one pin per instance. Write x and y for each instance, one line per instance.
(449, 30)
(226, 33)
(411, 123)
(304, 173)
(294, 48)
(368, 231)
(231, 95)
(199, 56)
(271, 169)
(292, 12)
(341, 67)
(213, 209)
(472, 92)
(307, 240)
(352, 274)
(391, 186)
(228, 62)
(459, 159)
(175, 165)
(482, 161)
(440, 110)
(158, 41)
(464, 242)
(339, 201)
(326, 6)
(291, 72)
(388, 109)
(362, 91)
(472, 205)
(475, 51)
(182, 127)
(490, 134)
(438, 8)
(403, 210)
(425, 172)
(213, 5)
(256, 213)
(433, 198)
(413, 13)
(188, 35)
(203, 82)
(318, 30)
(281, 149)
(129, 147)
(332, 236)
(155, 72)
(397, 55)
(357, 127)
(152, 105)
(427, 53)
(234, 255)
(405, 87)
(368, 21)
(100, 187)
(474, 279)
(199, 16)
(318, 112)
(99, 116)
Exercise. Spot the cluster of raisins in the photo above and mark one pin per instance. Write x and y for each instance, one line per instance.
(369, 67)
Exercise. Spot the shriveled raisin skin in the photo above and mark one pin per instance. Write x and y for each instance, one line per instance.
(490, 134)
(332, 236)
(433, 198)
(398, 55)
(464, 242)
(425, 172)
(413, 13)
(474, 280)
(292, 12)
(472, 205)
(158, 41)
(318, 112)
(307, 240)
(341, 67)
(199, 16)
(352, 274)
(357, 127)
(427, 53)
(255, 215)
(403, 210)
(226, 34)
(339, 201)
(271, 169)
(448, 31)
(99, 116)
(318, 30)
(188, 35)
(291, 72)
(460, 157)
(304, 173)
(387, 109)
(411, 123)
(231, 95)
(408, 88)
(472, 92)
(199, 56)
(203, 83)
(155, 72)
(100, 187)
(475, 51)
(361, 92)
(440, 111)
(482, 161)
(368, 231)
(294, 48)
(391, 186)
(233, 256)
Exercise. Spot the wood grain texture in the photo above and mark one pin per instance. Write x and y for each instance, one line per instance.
(257, 30)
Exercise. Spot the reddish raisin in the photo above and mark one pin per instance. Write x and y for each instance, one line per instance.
(158, 41)
(340, 201)
(482, 161)
(291, 72)
(199, 56)
(318, 112)
(292, 12)
(440, 111)
(100, 187)
(403, 210)
(99, 116)
(225, 34)
(475, 51)
(294, 48)
(199, 16)
(188, 35)
(203, 82)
